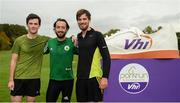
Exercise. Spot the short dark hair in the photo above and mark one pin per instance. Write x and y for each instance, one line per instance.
(33, 16)
(59, 19)
(81, 12)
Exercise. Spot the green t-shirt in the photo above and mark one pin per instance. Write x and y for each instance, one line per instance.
(61, 58)
(30, 56)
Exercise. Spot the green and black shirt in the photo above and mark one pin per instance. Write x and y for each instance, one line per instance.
(61, 58)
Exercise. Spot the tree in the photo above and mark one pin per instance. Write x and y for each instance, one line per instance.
(178, 37)
(159, 28)
(5, 43)
(12, 31)
(149, 30)
(110, 32)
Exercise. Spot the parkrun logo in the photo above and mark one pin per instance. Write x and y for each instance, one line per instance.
(133, 78)
(145, 42)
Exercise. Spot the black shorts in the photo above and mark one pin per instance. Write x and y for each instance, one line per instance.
(87, 90)
(55, 87)
(26, 87)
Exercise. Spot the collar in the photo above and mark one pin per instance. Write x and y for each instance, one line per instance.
(60, 42)
(87, 33)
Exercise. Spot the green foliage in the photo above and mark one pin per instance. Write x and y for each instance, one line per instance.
(159, 28)
(178, 37)
(12, 31)
(149, 30)
(5, 43)
(110, 32)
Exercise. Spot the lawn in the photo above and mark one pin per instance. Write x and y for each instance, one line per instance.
(5, 57)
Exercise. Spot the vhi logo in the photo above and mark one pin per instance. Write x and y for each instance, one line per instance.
(145, 42)
(134, 86)
(133, 78)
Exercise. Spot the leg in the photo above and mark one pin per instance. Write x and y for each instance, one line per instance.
(81, 90)
(16, 98)
(30, 99)
(32, 89)
(94, 92)
(18, 92)
(52, 91)
(67, 90)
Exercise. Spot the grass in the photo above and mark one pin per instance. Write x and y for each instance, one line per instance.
(5, 57)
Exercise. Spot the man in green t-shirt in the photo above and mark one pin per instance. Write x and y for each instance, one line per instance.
(61, 51)
(26, 62)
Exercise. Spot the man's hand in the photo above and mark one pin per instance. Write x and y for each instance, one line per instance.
(11, 85)
(74, 40)
(103, 83)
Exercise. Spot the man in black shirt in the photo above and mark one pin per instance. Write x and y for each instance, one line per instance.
(91, 79)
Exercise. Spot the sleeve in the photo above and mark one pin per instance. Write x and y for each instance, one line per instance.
(105, 55)
(16, 47)
(75, 51)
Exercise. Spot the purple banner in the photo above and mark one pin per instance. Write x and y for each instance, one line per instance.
(144, 80)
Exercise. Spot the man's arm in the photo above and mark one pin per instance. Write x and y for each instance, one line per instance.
(105, 55)
(75, 50)
(106, 61)
(12, 70)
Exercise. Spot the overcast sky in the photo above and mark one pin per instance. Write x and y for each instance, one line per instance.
(106, 14)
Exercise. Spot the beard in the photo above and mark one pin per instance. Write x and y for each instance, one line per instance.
(61, 36)
(83, 28)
